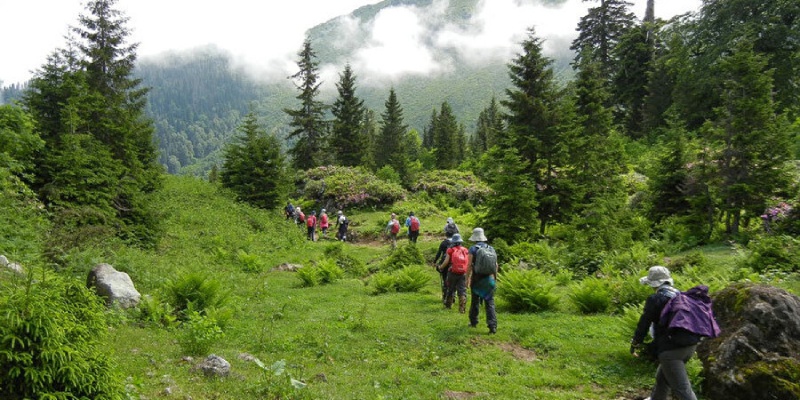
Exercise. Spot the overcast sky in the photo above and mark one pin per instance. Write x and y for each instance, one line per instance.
(266, 35)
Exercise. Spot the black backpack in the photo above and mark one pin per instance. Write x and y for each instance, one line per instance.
(450, 229)
(485, 261)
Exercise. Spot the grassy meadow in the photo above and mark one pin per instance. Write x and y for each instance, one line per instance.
(341, 340)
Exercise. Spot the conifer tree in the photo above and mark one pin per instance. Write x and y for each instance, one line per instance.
(753, 144)
(634, 52)
(348, 143)
(391, 137)
(445, 138)
(369, 131)
(600, 30)
(88, 89)
(308, 126)
(537, 128)
(669, 183)
(490, 123)
(254, 167)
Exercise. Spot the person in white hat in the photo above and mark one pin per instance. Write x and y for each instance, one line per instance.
(482, 287)
(672, 349)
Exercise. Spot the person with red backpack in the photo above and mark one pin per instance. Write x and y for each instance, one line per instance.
(392, 229)
(323, 223)
(311, 224)
(412, 223)
(458, 260)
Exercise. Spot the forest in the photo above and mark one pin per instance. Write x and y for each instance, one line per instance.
(675, 143)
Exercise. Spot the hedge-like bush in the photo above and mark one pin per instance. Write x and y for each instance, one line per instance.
(348, 187)
(458, 184)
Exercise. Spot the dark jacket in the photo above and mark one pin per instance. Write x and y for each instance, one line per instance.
(652, 316)
(442, 251)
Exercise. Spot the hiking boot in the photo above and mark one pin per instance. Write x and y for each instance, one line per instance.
(462, 304)
(448, 302)
(471, 325)
(492, 330)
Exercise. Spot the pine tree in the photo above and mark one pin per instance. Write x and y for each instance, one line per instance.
(391, 137)
(348, 144)
(511, 212)
(752, 144)
(254, 167)
(635, 52)
(490, 123)
(308, 126)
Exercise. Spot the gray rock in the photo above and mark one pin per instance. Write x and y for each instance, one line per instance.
(115, 286)
(757, 355)
(214, 365)
(3, 261)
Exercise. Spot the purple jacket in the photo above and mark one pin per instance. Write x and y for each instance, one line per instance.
(691, 310)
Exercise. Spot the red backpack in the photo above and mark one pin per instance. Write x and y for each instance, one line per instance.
(301, 217)
(459, 260)
(311, 221)
(414, 224)
(395, 227)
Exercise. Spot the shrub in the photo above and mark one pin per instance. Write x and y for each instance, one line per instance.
(411, 279)
(629, 292)
(781, 253)
(529, 290)
(152, 311)
(539, 255)
(403, 256)
(694, 259)
(309, 276)
(348, 187)
(198, 334)
(249, 262)
(350, 264)
(52, 336)
(194, 291)
(591, 296)
(460, 185)
(408, 279)
(325, 271)
(635, 258)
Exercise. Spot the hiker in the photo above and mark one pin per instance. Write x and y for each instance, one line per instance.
(311, 224)
(482, 279)
(299, 217)
(392, 229)
(673, 350)
(442, 253)
(341, 224)
(450, 228)
(457, 259)
(323, 223)
(412, 223)
(288, 211)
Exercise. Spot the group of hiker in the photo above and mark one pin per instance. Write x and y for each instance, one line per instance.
(311, 222)
(677, 321)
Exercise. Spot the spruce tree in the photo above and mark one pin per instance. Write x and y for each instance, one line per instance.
(348, 143)
(391, 137)
(254, 167)
(537, 126)
(635, 52)
(600, 30)
(752, 143)
(445, 138)
(308, 126)
(88, 89)
(490, 123)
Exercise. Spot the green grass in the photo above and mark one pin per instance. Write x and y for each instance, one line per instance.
(340, 339)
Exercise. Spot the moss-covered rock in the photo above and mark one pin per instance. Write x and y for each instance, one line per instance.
(757, 355)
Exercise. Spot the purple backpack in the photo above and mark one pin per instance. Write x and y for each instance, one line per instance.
(691, 310)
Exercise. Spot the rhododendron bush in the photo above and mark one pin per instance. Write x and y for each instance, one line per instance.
(461, 185)
(350, 187)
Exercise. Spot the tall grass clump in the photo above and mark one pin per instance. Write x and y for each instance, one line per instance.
(408, 279)
(527, 290)
(198, 333)
(591, 296)
(52, 340)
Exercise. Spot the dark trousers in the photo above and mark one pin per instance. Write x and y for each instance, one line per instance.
(475, 309)
(412, 236)
(671, 374)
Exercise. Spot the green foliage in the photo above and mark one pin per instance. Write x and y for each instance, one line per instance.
(407, 279)
(194, 291)
(323, 272)
(348, 142)
(52, 336)
(781, 253)
(348, 187)
(591, 296)
(152, 311)
(527, 291)
(308, 126)
(541, 255)
(693, 259)
(403, 256)
(629, 292)
(388, 174)
(278, 383)
(456, 185)
(198, 333)
(249, 262)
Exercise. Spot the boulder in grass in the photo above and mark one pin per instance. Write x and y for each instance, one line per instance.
(758, 354)
(214, 365)
(114, 286)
